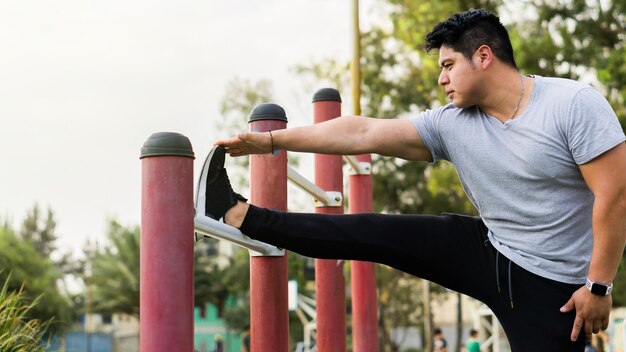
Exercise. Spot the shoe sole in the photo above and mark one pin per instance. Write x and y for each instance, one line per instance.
(216, 159)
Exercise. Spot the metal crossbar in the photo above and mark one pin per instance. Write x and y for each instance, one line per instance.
(327, 199)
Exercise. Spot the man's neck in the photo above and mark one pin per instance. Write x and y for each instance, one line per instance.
(507, 94)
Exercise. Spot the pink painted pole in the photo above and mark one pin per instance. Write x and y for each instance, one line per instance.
(166, 255)
(329, 279)
(364, 295)
(269, 310)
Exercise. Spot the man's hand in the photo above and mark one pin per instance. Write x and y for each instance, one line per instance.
(592, 312)
(248, 143)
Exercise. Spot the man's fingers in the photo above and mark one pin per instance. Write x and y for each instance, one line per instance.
(227, 142)
(597, 326)
(568, 306)
(589, 328)
(578, 325)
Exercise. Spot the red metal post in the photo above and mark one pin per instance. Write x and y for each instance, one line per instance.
(166, 255)
(364, 295)
(329, 278)
(269, 311)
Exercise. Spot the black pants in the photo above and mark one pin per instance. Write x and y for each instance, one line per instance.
(451, 250)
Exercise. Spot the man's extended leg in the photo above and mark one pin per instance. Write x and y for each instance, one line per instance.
(442, 249)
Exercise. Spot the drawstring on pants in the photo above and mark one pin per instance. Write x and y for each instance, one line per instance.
(510, 279)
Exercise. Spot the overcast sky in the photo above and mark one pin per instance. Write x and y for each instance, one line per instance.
(84, 83)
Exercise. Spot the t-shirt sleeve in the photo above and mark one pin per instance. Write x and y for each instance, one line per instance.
(592, 126)
(427, 124)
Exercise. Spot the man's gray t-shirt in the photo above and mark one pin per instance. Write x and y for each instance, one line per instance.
(523, 175)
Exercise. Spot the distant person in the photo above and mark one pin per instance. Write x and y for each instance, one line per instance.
(219, 344)
(440, 343)
(472, 344)
(601, 342)
(245, 339)
(589, 347)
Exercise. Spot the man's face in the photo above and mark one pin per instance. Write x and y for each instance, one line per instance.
(459, 77)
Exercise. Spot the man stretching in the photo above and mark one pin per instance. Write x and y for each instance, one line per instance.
(542, 159)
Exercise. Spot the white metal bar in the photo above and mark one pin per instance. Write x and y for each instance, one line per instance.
(306, 299)
(307, 308)
(301, 316)
(213, 228)
(358, 167)
(328, 199)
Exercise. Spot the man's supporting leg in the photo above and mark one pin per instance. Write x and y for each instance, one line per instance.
(534, 321)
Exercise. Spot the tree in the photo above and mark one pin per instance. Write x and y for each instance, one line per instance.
(619, 284)
(219, 278)
(40, 231)
(576, 39)
(112, 272)
(399, 305)
(27, 271)
(240, 97)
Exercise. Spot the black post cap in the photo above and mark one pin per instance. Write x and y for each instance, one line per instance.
(268, 111)
(327, 94)
(167, 144)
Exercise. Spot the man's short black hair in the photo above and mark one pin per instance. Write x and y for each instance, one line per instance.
(465, 32)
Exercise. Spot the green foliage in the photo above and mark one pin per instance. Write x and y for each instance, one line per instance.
(240, 97)
(399, 302)
(219, 278)
(619, 284)
(38, 276)
(19, 332)
(581, 40)
(225, 283)
(40, 232)
(446, 191)
(112, 273)
(238, 315)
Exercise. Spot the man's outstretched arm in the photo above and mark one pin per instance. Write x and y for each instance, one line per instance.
(347, 135)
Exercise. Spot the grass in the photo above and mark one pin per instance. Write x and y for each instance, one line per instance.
(18, 333)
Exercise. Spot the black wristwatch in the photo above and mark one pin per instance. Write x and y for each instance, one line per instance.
(599, 288)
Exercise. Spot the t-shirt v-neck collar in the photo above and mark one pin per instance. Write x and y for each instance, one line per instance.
(512, 122)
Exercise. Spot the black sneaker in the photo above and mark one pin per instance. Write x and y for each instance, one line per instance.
(219, 194)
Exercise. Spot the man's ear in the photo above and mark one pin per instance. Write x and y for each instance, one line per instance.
(484, 56)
